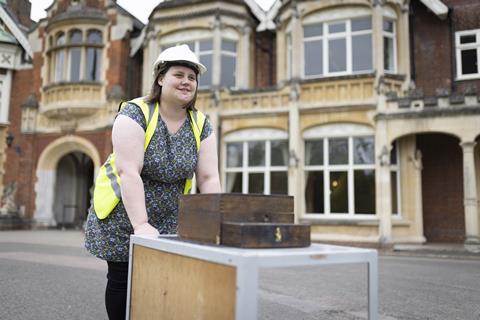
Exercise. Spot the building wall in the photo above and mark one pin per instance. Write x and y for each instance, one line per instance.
(433, 53)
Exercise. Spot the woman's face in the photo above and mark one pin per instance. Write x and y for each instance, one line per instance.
(179, 85)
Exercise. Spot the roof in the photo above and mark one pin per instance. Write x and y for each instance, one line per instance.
(16, 31)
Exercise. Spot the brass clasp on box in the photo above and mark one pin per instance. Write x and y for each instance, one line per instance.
(278, 235)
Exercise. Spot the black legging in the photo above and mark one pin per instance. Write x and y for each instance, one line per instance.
(116, 291)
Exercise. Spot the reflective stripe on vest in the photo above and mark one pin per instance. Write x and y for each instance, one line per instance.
(107, 191)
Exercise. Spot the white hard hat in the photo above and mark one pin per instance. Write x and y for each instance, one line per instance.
(181, 53)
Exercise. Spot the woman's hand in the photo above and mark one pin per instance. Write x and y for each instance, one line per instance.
(145, 229)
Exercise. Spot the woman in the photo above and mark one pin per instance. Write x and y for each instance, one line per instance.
(153, 179)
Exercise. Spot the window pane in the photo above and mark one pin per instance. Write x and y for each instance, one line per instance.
(314, 153)
(256, 153)
(393, 179)
(312, 30)
(393, 154)
(206, 78)
(336, 27)
(228, 71)
(388, 25)
(314, 195)
(362, 52)
(92, 72)
(469, 38)
(255, 183)
(234, 182)
(388, 54)
(362, 24)
(313, 58)
(234, 155)
(469, 61)
(59, 64)
(338, 151)
(230, 46)
(60, 39)
(206, 45)
(279, 153)
(337, 55)
(75, 54)
(364, 191)
(94, 37)
(76, 37)
(338, 192)
(363, 150)
(191, 45)
(279, 183)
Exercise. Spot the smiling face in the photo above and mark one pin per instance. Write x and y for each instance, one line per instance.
(179, 85)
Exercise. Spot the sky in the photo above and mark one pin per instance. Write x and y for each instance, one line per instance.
(139, 8)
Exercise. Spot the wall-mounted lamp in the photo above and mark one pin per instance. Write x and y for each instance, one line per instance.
(9, 139)
(384, 157)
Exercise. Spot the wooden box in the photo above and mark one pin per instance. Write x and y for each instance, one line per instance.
(241, 220)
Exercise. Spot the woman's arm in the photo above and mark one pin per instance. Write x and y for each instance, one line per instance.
(208, 180)
(128, 142)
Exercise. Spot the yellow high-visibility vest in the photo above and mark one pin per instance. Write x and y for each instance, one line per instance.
(106, 194)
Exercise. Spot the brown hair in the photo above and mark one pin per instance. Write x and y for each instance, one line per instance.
(156, 90)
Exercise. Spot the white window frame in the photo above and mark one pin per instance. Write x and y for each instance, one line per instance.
(393, 37)
(63, 75)
(250, 135)
(326, 132)
(468, 46)
(229, 54)
(396, 168)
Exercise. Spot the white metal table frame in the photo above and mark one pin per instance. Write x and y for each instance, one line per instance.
(248, 261)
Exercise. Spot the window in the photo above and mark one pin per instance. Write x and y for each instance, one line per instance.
(94, 55)
(395, 180)
(289, 55)
(339, 47)
(75, 57)
(467, 51)
(256, 162)
(228, 63)
(340, 171)
(389, 47)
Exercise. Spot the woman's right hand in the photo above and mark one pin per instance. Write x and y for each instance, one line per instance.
(145, 229)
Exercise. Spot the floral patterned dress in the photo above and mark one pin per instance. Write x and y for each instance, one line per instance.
(168, 161)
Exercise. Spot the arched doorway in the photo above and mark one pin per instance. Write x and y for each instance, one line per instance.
(73, 183)
(69, 160)
(442, 187)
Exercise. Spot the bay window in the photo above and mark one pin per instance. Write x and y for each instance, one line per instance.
(76, 56)
(338, 47)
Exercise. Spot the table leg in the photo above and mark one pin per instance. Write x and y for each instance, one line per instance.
(247, 295)
(373, 288)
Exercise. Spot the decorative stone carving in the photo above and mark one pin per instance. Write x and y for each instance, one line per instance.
(8, 199)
